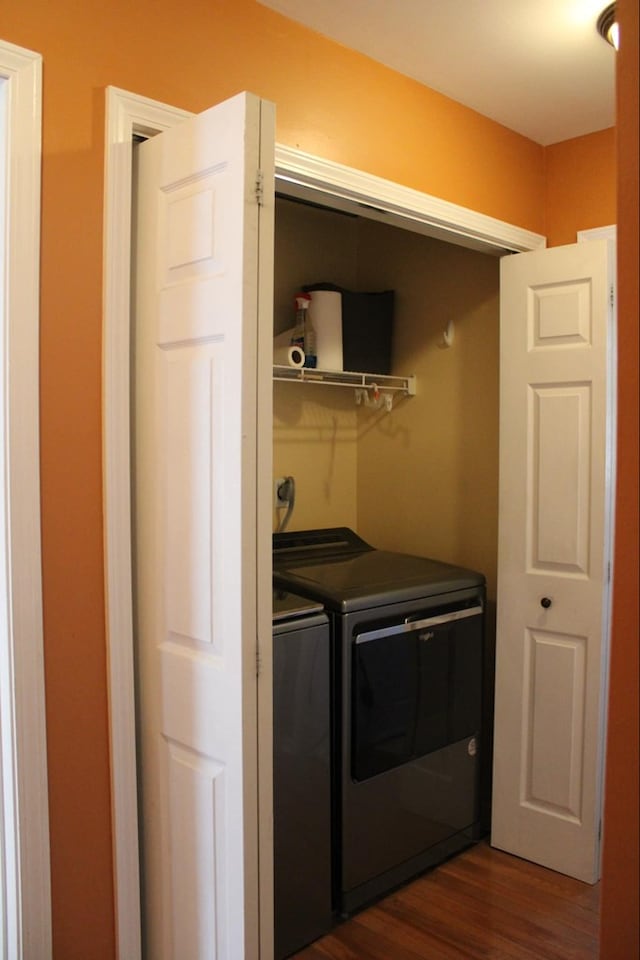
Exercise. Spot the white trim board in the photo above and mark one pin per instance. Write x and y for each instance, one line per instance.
(297, 173)
(302, 175)
(126, 116)
(24, 824)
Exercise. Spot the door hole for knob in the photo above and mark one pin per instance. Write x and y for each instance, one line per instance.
(545, 602)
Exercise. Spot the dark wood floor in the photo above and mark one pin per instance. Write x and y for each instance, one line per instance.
(481, 905)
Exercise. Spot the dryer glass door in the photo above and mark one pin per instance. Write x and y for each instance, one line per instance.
(416, 687)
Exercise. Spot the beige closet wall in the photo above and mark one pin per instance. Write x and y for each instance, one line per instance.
(423, 479)
(314, 428)
(428, 472)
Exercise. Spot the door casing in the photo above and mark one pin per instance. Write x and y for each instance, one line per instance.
(297, 174)
(25, 889)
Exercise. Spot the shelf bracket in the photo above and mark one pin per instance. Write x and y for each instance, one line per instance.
(374, 399)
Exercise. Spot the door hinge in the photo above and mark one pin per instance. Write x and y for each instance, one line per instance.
(259, 188)
(258, 663)
(612, 296)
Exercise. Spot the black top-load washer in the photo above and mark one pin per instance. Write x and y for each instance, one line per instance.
(407, 638)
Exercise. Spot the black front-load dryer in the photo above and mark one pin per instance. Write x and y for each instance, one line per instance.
(407, 637)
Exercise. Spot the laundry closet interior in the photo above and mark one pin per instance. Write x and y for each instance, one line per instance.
(414, 473)
(422, 478)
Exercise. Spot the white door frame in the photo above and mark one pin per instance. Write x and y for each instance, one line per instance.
(25, 885)
(128, 115)
(610, 234)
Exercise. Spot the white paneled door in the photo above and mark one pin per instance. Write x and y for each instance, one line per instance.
(200, 233)
(552, 558)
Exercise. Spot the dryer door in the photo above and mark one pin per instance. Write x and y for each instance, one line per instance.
(410, 748)
(416, 687)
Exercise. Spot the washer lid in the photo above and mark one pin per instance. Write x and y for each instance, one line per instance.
(289, 606)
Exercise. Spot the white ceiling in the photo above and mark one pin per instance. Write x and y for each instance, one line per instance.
(537, 66)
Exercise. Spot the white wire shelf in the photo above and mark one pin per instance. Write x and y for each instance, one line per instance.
(347, 378)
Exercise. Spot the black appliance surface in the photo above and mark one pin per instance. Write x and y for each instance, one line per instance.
(301, 773)
(338, 568)
(407, 646)
(289, 607)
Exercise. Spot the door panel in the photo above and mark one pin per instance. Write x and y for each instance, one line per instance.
(550, 650)
(558, 500)
(196, 795)
(192, 381)
(554, 704)
(199, 229)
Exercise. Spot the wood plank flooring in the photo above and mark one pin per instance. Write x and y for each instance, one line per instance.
(481, 905)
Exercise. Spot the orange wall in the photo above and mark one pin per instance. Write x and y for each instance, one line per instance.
(620, 922)
(330, 101)
(580, 185)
